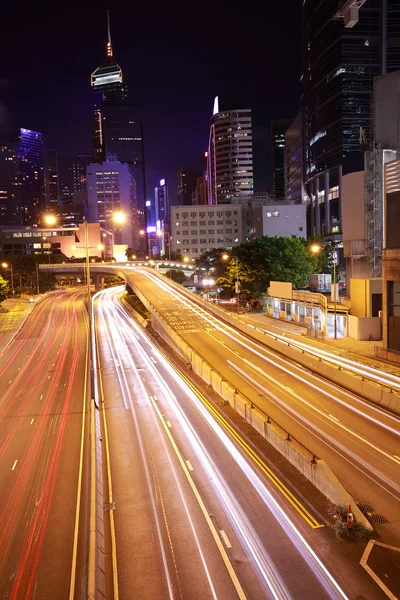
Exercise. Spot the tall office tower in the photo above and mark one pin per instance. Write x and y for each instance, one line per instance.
(343, 49)
(185, 186)
(53, 179)
(27, 162)
(294, 192)
(230, 156)
(10, 208)
(201, 190)
(278, 132)
(163, 222)
(111, 189)
(117, 123)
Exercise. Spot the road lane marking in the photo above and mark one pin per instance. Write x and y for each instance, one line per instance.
(333, 417)
(189, 465)
(31, 421)
(398, 457)
(41, 397)
(363, 563)
(290, 497)
(49, 377)
(225, 538)
(217, 539)
(169, 424)
(14, 465)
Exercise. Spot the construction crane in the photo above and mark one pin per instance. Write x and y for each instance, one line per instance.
(349, 12)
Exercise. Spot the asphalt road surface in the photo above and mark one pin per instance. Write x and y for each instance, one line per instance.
(195, 515)
(42, 375)
(359, 441)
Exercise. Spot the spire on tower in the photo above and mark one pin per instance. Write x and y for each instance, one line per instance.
(109, 47)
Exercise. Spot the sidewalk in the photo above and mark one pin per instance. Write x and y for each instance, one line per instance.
(13, 313)
(346, 345)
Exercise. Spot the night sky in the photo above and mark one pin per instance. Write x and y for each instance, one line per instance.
(175, 59)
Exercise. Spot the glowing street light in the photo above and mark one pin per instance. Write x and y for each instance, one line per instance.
(50, 219)
(9, 266)
(118, 218)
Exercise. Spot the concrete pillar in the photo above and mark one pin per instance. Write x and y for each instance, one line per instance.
(317, 211)
(327, 205)
(97, 282)
(102, 282)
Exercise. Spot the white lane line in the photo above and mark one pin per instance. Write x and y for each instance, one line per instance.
(398, 457)
(225, 538)
(363, 563)
(189, 465)
(169, 424)
(14, 465)
(333, 417)
(31, 421)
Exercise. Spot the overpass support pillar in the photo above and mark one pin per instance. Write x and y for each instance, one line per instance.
(97, 282)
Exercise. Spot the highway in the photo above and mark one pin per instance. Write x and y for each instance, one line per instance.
(196, 515)
(359, 441)
(42, 424)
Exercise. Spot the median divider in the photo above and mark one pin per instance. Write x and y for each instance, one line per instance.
(315, 470)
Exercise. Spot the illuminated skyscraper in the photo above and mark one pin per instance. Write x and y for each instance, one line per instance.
(278, 131)
(117, 123)
(230, 156)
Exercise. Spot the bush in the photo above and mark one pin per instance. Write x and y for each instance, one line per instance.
(339, 514)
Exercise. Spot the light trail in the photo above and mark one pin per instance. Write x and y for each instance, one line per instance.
(237, 517)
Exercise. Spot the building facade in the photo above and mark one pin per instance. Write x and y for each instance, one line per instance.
(284, 220)
(163, 218)
(118, 124)
(278, 133)
(10, 208)
(47, 242)
(53, 179)
(111, 189)
(293, 169)
(340, 58)
(230, 156)
(197, 229)
(185, 186)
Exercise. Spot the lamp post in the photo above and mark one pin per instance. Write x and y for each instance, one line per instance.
(6, 266)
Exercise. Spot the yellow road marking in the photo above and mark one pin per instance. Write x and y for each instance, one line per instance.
(297, 505)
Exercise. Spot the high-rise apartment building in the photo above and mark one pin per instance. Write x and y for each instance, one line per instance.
(118, 123)
(201, 190)
(278, 132)
(342, 52)
(111, 189)
(230, 156)
(163, 220)
(10, 208)
(185, 186)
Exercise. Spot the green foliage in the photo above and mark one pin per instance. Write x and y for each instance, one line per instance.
(4, 287)
(266, 259)
(176, 275)
(24, 271)
(213, 262)
(129, 252)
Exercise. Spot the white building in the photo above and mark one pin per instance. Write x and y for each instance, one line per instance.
(284, 220)
(197, 229)
(111, 188)
(230, 156)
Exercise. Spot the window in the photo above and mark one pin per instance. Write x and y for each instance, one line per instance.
(194, 241)
(185, 215)
(193, 215)
(17, 235)
(228, 221)
(193, 232)
(228, 213)
(211, 241)
(202, 223)
(193, 223)
(176, 215)
(220, 231)
(228, 230)
(203, 241)
(202, 214)
(235, 212)
(211, 232)
(203, 231)
(220, 222)
(185, 232)
(178, 233)
(220, 213)
(185, 223)
(211, 222)
(220, 240)
(300, 229)
(186, 242)
(228, 239)
(195, 251)
(210, 213)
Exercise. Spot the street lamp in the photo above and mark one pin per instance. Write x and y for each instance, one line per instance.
(6, 266)
(315, 248)
(50, 219)
(237, 283)
(208, 283)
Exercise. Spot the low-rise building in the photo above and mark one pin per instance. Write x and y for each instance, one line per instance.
(63, 241)
(284, 220)
(198, 229)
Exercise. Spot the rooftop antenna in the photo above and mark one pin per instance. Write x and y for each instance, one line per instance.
(109, 47)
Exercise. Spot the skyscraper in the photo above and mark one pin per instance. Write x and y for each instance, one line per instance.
(294, 191)
(342, 52)
(230, 156)
(53, 180)
(278, 131)
(23, 172)
(185, 186)
(163, 220)
(111, 189)
(117, 123)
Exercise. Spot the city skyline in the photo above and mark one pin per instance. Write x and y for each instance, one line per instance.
(152, 60)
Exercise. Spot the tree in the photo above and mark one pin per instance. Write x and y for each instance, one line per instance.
(213, 262)
(175, 275)
(266, 259)
(4, 286)
(129, 252)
